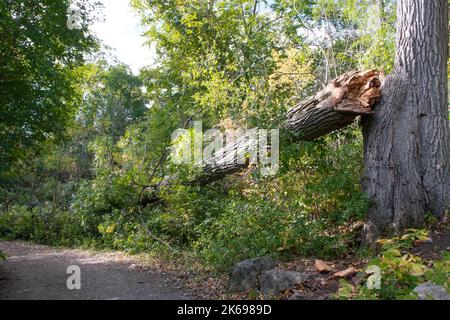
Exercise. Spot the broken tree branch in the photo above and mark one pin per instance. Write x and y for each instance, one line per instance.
(334, 107)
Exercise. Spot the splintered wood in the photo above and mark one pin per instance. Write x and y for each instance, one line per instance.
(356, 92)
(336, 106)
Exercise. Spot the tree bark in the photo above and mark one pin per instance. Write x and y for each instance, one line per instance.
(380, 12)
(407, 140)
(336, 106)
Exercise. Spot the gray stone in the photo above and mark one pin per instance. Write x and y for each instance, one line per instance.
(307, 296)
(298, 296)
(428, 291)
(246, 274)
(275, 281)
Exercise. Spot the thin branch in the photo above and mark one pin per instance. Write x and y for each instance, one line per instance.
(322, 49)
(155, 237)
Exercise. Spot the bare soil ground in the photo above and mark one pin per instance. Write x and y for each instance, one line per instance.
(34, 272)
(39, 272)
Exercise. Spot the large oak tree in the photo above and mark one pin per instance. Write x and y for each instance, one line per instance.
(407, 140)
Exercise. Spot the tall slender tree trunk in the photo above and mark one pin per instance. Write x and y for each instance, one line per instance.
(407, 140)
(380, 12)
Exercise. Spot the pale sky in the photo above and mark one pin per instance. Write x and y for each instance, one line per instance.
(121, 31)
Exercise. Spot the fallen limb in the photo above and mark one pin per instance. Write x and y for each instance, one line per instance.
(334, 107)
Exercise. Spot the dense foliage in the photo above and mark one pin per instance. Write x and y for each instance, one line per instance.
(400, 270)
(38, 58)
(228, 63)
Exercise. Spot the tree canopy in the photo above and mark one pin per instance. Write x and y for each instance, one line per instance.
(38, 60)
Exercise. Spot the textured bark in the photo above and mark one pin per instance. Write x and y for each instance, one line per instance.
(407, 143)
(226, 161)
(334, 107)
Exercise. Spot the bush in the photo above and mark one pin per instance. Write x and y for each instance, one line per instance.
(301, 211)
(40, 225)
(400, 270)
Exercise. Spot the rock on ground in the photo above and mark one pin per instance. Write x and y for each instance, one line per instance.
(428, 290)
(246, 274)
(275, 281)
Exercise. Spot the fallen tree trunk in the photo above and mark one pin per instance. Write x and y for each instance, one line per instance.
(334, 107)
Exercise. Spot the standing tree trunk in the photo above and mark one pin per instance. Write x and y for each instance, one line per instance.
(380, 12)
(407, 140)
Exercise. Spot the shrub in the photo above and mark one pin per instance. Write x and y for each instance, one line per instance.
(400, 270)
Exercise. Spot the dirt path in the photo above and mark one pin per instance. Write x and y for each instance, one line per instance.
(34, 272)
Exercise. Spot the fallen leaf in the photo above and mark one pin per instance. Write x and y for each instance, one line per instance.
(417, 270)
(322, 267)
(346, 273)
